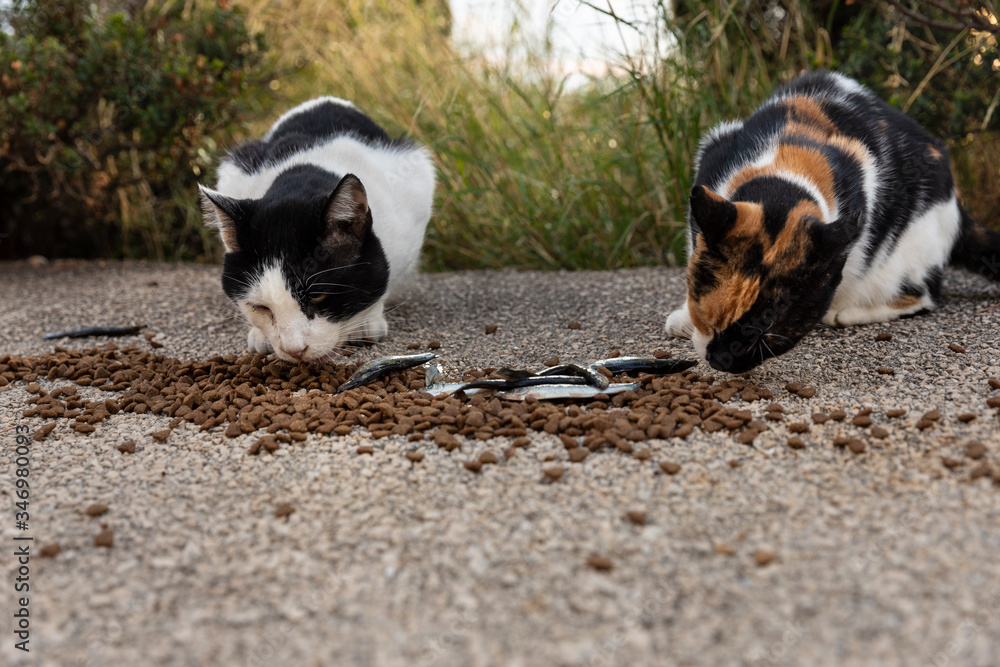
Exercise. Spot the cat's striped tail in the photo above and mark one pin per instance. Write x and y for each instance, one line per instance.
(977, 249)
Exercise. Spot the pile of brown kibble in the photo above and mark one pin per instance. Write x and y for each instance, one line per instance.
(286, 402)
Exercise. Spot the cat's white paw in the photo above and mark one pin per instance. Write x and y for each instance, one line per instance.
(257, 341)
(852, 315)
(679, 323)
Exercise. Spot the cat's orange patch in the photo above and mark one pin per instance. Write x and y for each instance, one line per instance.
(805, 110)
(934, 152)
(788, 252)
(904, 302)
(800, 160)
(725, 304)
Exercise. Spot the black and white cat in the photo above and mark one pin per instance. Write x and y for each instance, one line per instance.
(826, 205)
(322, 221)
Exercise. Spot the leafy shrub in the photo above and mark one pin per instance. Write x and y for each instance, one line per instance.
(107, 116)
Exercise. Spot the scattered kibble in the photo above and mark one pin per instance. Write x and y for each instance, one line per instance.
(879, 432)
(795, 442)
(764, 557)
(551, 361)
(887, 371)
(489, 458)
(284, 509)
(50, 550)
(966, 417)
(416, 457)
(954, 347)
(661, 354)
(105, 538)
(366, 449)
(862, 421)
(994, 383)
(670, 467)
(949, 462)
(491, 329)
(638, 517)
(838, 415)
(600, 563)
(553, 472)
(820, 418)
(97, 509)
(434, 345)
(414, 346)
(932, 415)
(895, 413)
(975, 450)
(856, 446)
(573, 325)
(883, 337)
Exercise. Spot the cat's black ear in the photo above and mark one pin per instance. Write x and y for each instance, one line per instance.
(346, 213)
(711, 214)
(837, 236)
(221, 213)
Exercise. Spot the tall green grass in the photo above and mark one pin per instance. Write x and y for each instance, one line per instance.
(534, 174)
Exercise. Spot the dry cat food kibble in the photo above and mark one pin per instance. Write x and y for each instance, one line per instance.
(105, 538)
(795, 442)
(887, 371)
(883, 337)
(50, 550)
(638, 517)
(894, 414)
(975, 450)
(284, 509)
(573, 325)
(954, 347)
(994, 383)
(96, 509)
(491, 329)
(600, 563)
(278, 403)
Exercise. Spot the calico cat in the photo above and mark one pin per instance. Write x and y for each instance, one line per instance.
(322, 221)
(826, 205)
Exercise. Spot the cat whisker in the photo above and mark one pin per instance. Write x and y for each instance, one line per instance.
(336, 268)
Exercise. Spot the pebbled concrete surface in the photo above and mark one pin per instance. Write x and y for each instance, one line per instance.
(887, 557)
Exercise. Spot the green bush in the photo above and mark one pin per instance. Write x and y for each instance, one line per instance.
(107, 116)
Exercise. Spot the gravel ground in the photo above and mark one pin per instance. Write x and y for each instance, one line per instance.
(760, 555)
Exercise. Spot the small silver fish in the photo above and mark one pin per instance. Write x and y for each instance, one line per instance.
(95, 331)
(590, 373)
(376, 368)
(432, 374)
(554, 392)
(644, 365)
(449, 388)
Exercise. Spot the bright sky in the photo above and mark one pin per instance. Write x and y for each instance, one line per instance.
(583, 39)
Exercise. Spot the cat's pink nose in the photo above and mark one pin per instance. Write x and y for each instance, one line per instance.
(297, 353)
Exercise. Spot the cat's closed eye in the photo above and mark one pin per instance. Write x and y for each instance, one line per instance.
(317, 299)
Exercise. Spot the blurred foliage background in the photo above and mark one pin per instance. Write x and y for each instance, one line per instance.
(112, 111)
